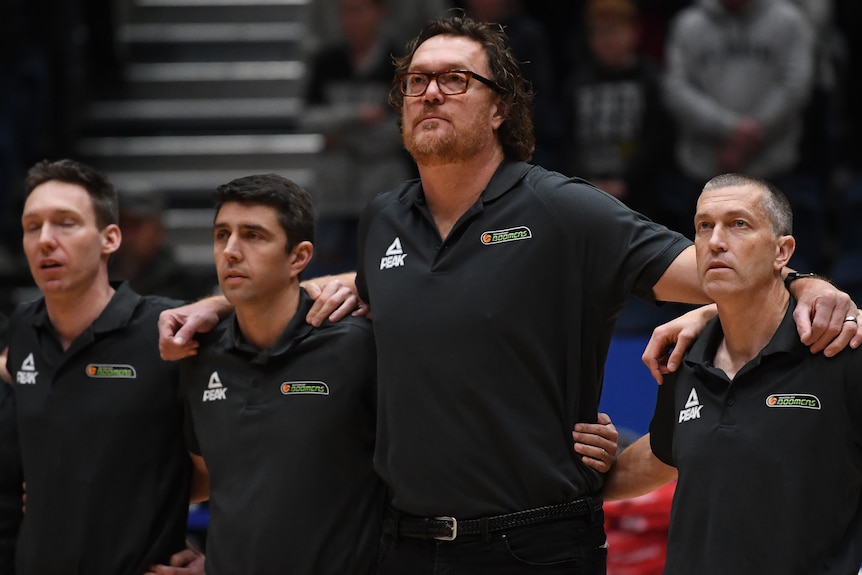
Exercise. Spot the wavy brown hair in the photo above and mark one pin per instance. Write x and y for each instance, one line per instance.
(516, 132)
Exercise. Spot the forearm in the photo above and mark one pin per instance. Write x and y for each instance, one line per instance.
(680, 282)
(637, 471)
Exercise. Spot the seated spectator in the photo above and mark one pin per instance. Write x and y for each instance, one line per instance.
(347, 100)
(620, 134)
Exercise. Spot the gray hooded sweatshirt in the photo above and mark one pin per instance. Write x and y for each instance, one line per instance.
(723, 67)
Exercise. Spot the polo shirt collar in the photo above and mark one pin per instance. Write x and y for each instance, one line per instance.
(785, 340)
(297, 329)
(116, 315)
(507, 176)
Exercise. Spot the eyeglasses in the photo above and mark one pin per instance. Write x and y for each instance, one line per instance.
(449, 82)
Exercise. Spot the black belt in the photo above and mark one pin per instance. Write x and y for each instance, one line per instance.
(448, 528)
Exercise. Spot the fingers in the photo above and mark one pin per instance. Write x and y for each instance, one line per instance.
(177, 347)
(185, 562)
(656, 354)
(597, 443)
(184, 558)
(851, 334)
(333, 302)
(821, 325)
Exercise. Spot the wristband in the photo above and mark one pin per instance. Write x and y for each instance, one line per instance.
(793, 276)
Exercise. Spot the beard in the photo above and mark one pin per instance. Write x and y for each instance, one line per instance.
(429, 146)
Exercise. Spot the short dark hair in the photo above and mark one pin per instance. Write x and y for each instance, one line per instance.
(516, 133)
(774, 201)
(290, 200)
(100, 190)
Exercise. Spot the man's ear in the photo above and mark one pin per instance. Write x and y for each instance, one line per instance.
(112, 237)
(784, 251)
(300, 256)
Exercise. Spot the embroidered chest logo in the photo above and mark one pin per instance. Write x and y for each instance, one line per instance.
(799, 400)
(215, 391)
(304, 388)
(692, 408)
(27, 374)
(394, 257)
(98, 370)
(508, 235)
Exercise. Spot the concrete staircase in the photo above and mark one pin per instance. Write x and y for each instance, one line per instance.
(211, 92)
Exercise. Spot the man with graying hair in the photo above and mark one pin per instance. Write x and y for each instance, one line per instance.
(737, 423)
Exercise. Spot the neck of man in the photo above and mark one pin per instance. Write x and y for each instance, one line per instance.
(749, 321)
(452, 188)
(73, 312)
(262, 322)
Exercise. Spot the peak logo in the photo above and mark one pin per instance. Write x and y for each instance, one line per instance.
(304, 388)
(692, 408)
(99, 371)
(215, 390)
(394, 257)
(798, 400)
(27, 374)
(508, 235)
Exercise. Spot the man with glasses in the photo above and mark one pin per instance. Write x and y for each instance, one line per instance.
(481, 374)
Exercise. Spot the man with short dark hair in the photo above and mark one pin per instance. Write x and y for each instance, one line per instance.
(98, 413)
(282, 413)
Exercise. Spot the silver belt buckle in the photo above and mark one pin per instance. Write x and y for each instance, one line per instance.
(454, 527)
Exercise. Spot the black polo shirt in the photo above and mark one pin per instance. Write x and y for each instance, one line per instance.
(100, 428)
(10, 470)
(287, 434)
(10, 479)
(770, 464)
(491, 344)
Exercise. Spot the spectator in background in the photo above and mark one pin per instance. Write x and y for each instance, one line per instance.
(11, 477)
(347, 101)
(529, 43)
(145, 259)
(738, 76)
(620, 132)
(403, 19)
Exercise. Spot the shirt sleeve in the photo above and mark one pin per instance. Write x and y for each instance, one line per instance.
(662, 425)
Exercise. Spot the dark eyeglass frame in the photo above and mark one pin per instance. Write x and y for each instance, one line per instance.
(433, 76)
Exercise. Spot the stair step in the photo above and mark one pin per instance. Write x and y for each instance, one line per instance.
(156, 11)
(178, 113)
(200, 80)
(244, 144)
(215, 32)
(196, 186)
(216, 71)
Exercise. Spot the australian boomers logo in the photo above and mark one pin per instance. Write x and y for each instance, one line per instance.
(27, 374)
(799, 400)
(215, 391)
(304, 388)
(692, 408)
(99, 371)
(394, 257)
(508, 235)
